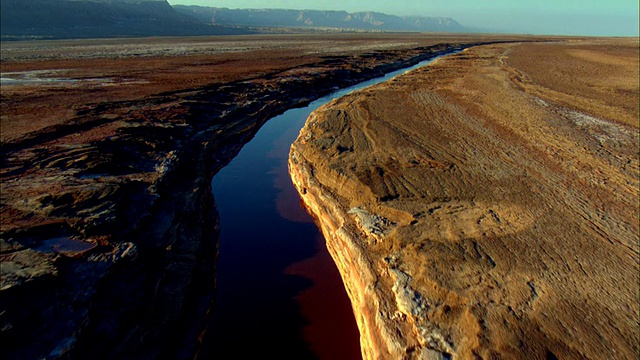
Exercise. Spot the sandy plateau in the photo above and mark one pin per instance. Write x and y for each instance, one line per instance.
(486, 206)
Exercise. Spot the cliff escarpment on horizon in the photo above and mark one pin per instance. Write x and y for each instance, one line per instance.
(60, 19)
(371, 21)
(69, 19)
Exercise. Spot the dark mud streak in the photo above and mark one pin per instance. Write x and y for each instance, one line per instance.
(156, 305)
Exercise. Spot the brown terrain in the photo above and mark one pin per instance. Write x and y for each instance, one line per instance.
(486, 206)
(108, 225)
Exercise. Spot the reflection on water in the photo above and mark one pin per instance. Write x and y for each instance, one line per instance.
(331, 332)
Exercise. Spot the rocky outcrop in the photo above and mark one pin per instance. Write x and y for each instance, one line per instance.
(471, 219)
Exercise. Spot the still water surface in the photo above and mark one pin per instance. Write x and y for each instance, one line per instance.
(279, 294)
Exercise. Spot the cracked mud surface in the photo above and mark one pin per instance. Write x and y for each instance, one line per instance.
(487, 205)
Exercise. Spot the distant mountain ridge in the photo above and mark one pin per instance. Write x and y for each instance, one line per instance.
(23, 19)
(317, 18)
(60, 19)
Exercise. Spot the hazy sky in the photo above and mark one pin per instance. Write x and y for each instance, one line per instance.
(564, 17)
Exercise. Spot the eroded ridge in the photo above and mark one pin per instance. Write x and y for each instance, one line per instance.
(473, 213)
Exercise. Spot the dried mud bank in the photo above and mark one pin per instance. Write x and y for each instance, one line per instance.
(108, 223)
(474, 213)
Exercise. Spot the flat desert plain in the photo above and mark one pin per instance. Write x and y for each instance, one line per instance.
(486, 206)
(55, 79)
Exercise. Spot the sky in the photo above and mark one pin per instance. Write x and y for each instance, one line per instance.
(560, 17)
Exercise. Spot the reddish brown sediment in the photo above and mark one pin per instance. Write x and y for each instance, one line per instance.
(484, 207)
(326, 307)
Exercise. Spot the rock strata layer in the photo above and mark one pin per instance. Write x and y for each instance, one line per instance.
(476, 208)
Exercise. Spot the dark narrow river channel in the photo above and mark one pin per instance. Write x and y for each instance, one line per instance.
(279, 294)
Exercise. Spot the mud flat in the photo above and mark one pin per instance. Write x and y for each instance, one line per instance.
(487, 205)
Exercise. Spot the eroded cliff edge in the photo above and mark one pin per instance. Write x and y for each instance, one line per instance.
(486, 206)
